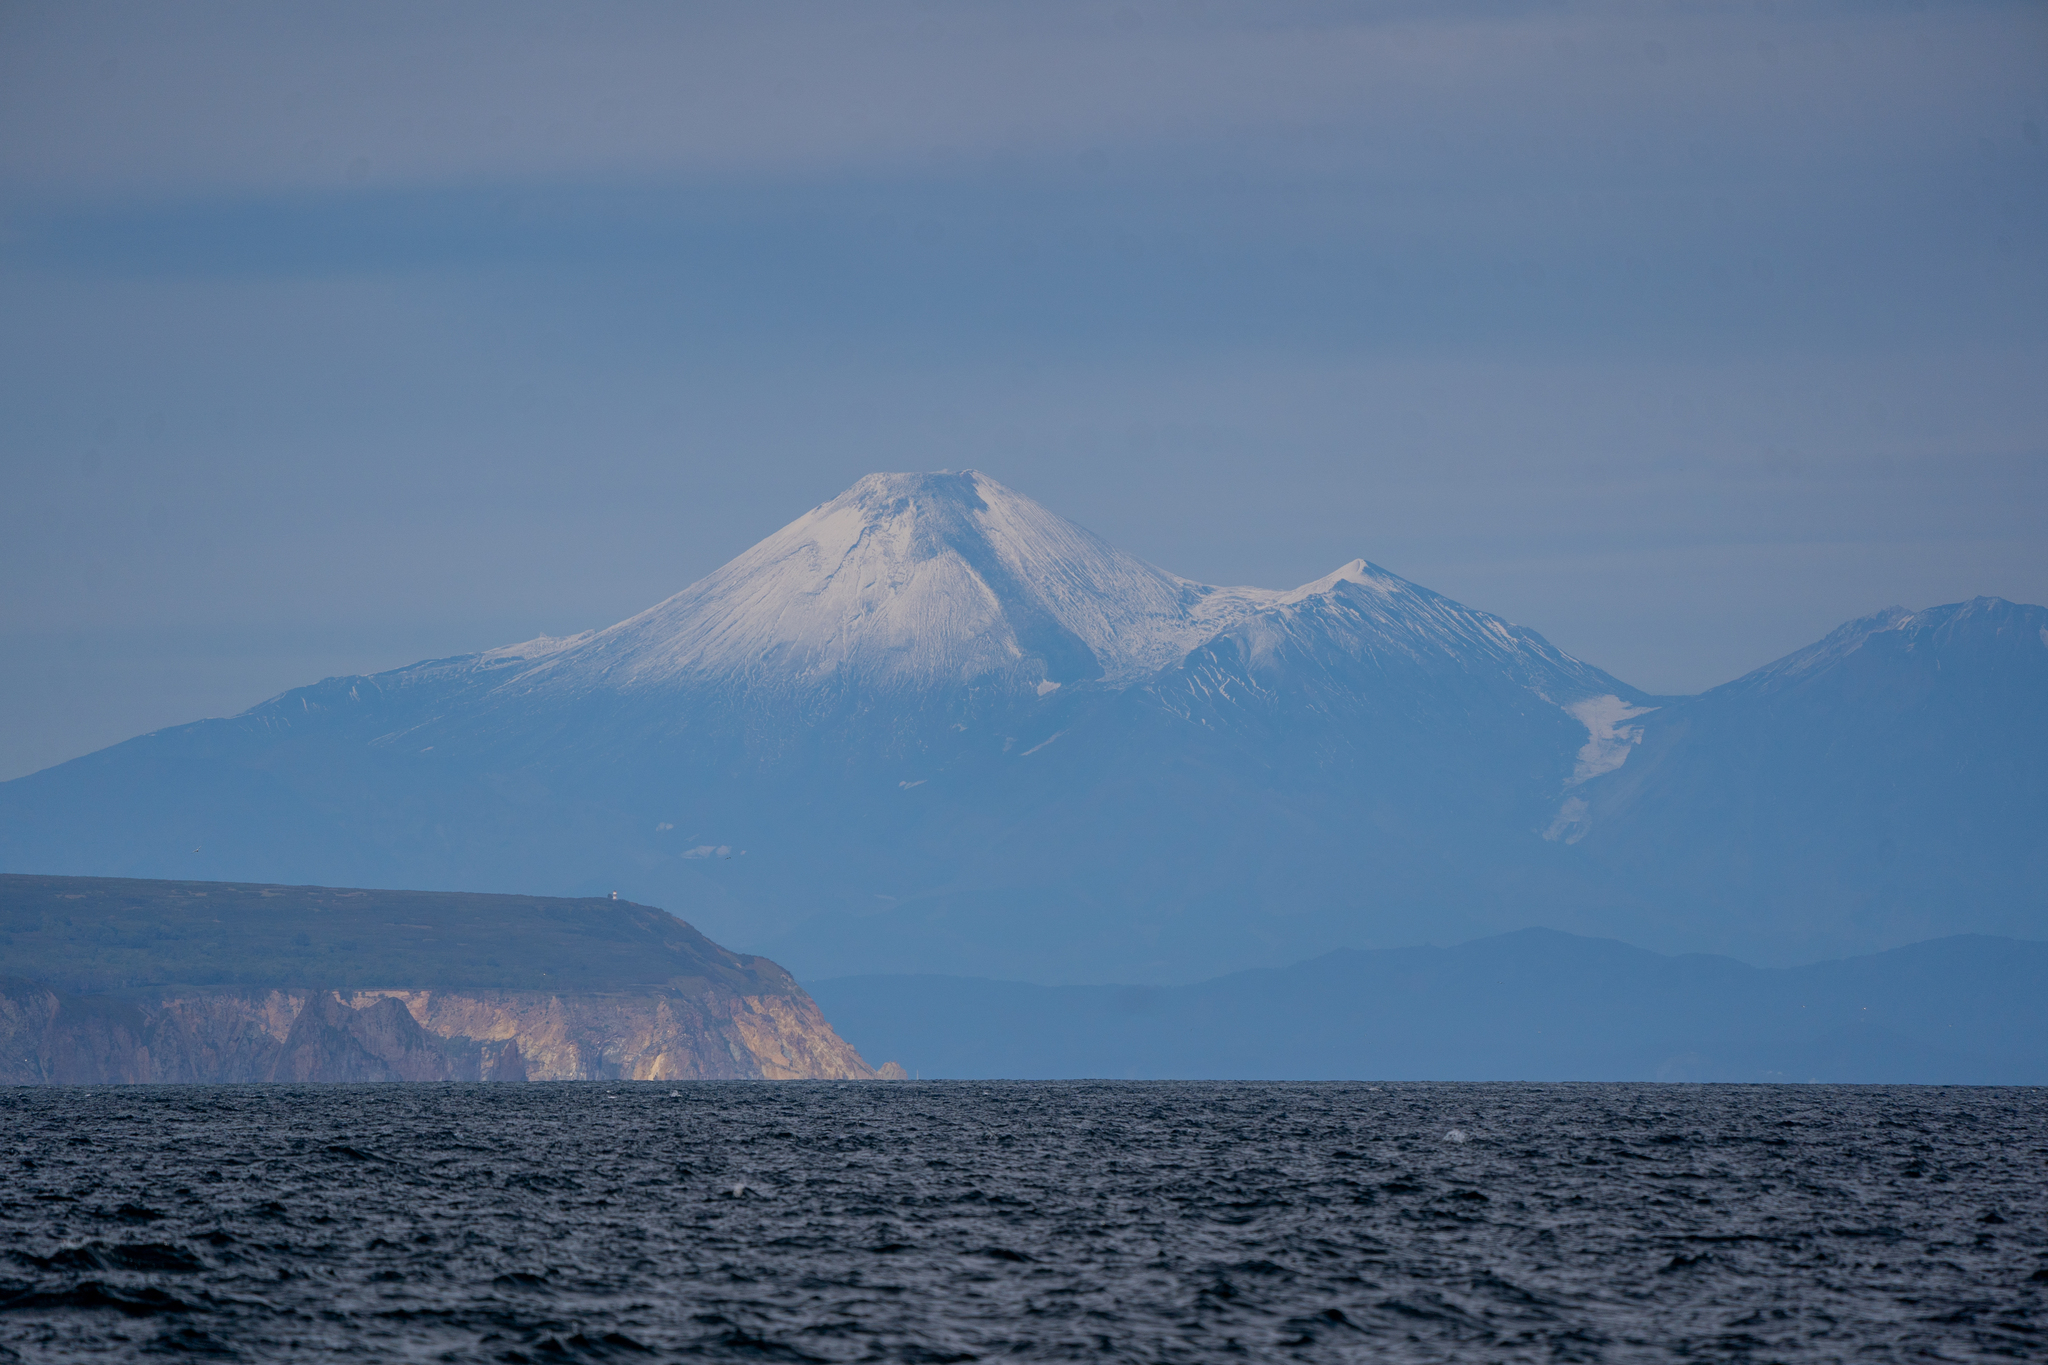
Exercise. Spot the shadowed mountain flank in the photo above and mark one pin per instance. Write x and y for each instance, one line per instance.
(1887, 783)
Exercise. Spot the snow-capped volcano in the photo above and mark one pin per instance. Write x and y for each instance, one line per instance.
(920, 579)
(950, 579)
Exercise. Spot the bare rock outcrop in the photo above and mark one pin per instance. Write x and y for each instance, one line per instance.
(51, 1038)
(117, 980)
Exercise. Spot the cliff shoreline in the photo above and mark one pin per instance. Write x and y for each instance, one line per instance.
(49, 1037)
(110, 980)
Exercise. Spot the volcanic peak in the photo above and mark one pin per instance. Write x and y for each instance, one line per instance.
(934, 580)
(1982, 627)
(949, 579)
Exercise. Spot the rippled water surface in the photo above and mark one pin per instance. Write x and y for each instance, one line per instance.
(961, 1221)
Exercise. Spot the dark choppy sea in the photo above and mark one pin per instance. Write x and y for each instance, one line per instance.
(960, 1221)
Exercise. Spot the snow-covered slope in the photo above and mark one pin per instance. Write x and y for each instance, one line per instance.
(1364, 613)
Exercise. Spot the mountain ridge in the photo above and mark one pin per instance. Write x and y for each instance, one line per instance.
(921, 726)
(1530, 1005)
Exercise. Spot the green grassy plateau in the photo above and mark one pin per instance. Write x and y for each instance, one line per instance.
(90, 934)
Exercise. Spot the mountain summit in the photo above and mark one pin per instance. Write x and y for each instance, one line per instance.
(932, 726)
(948, 580)
(925, 580)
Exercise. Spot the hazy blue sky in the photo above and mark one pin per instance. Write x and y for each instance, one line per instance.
(334, 337)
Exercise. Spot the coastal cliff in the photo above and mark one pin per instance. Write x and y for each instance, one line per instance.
(47, 1038)
(112, 981)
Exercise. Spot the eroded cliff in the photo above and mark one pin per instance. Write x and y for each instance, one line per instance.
(49, 1038)
(114, 981)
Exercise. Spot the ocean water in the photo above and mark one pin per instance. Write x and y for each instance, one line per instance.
(960, 1221)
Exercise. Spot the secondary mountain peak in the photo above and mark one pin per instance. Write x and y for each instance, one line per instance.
(1984, 632)
(1378, 619)
(1357, 571)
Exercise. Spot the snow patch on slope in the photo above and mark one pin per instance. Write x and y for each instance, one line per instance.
(1571, 823)
(530, 651)
(1608, 740)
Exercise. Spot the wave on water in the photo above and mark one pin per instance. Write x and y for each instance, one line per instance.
(954, 1222)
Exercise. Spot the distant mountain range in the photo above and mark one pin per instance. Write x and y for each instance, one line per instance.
(1533, 1005)
(931, 727)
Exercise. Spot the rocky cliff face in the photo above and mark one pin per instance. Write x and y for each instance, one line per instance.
(228, 1034)
(119, 980)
